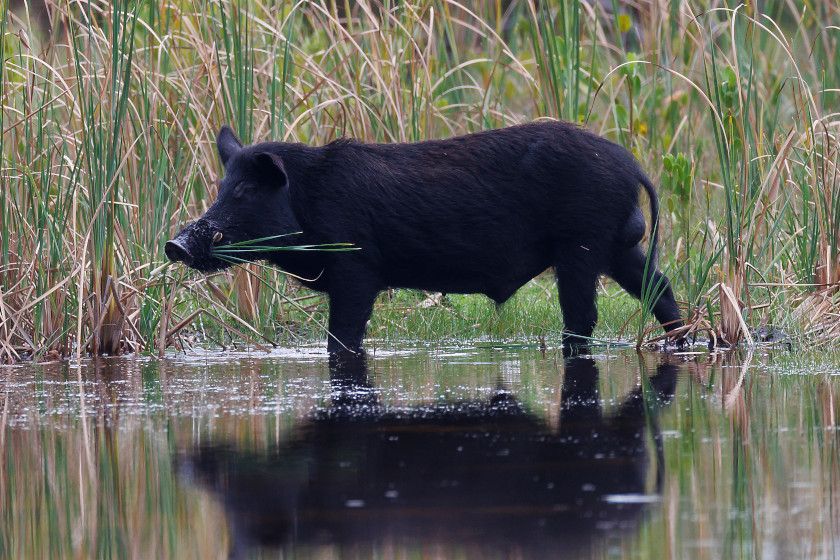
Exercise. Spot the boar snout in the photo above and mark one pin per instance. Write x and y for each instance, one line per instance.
(176, 251)
(194, 245)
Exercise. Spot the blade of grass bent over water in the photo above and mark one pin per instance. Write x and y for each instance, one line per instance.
(283, 296)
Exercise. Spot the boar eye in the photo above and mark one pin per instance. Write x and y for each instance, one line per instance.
(243, 189)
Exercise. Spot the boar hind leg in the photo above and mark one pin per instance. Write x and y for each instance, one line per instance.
(577, 280)
(632, 271)
(349, 314)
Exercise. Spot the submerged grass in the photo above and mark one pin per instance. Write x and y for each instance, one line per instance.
(109, 112)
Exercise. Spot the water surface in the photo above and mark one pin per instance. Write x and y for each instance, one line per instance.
(441, 453)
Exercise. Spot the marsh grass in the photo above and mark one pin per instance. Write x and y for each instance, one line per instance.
(108, 120)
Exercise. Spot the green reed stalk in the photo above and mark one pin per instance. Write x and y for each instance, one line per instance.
(238, 76)
(279, 113)
(558, 57)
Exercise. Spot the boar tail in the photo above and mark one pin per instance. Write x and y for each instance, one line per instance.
(654, 215)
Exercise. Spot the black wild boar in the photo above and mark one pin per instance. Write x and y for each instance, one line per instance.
(481, 213)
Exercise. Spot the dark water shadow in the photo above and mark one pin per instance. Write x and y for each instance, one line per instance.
(480, 475)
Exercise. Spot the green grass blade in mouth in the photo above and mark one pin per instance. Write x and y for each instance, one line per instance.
(263, 248)
(252, 245)
(249, 242)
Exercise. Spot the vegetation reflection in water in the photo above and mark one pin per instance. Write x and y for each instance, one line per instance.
(458, 453)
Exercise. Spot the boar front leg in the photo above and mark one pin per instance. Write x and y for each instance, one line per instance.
(349, 314)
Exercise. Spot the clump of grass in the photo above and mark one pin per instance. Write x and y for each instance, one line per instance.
(108, 119)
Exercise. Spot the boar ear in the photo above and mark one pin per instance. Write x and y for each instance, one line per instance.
(227, 143)
(272, 164)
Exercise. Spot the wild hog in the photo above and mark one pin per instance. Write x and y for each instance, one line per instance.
(482, 213)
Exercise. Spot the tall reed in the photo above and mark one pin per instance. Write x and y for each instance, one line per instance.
(109, 116)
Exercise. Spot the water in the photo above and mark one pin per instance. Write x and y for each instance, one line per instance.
(442, 453)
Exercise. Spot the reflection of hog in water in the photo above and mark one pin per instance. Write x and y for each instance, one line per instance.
(469, 474)
(483, 213)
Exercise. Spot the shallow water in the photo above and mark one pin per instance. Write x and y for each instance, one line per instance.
(441, 453)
